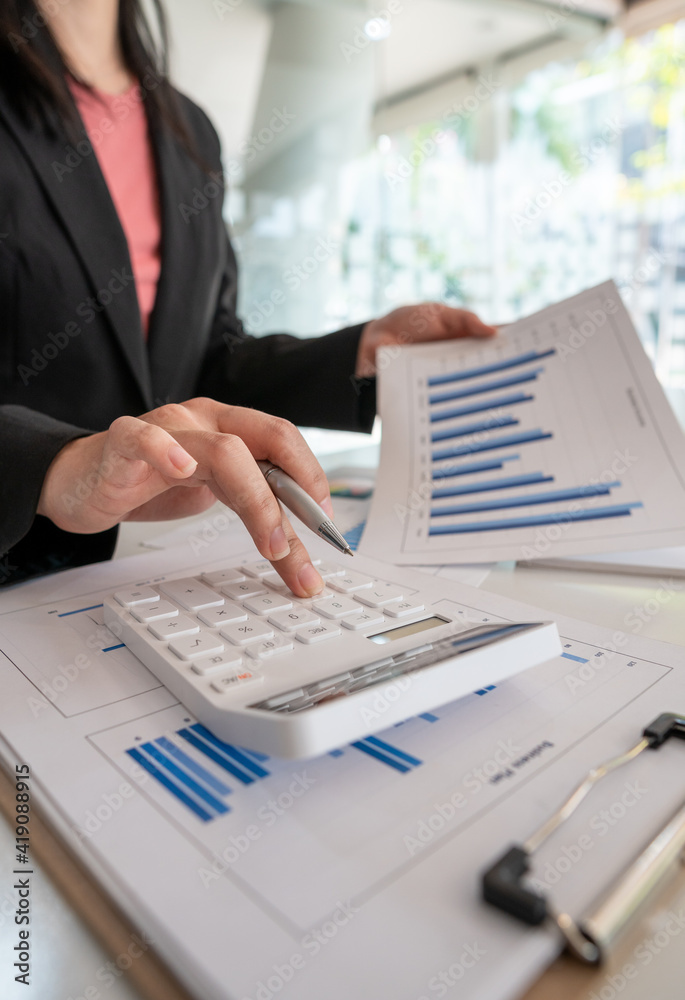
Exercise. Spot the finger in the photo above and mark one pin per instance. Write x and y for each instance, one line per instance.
(463, 323)
(297, 569)
(273, 439)
(226, 465)
(96, 481)
(139, 441)
(174, 502)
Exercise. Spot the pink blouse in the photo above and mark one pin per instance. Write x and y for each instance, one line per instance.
(118, 130)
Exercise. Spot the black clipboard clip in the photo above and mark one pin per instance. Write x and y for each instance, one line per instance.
(590, 939)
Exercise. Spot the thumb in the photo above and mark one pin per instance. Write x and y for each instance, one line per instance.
(463, 323)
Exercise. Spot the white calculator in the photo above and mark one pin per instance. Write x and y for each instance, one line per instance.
(272, 672)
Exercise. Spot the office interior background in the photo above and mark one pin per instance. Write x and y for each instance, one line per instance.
(494, 154)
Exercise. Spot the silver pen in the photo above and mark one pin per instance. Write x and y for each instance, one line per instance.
(302, 506)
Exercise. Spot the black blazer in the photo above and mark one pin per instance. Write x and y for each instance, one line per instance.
(72, 352)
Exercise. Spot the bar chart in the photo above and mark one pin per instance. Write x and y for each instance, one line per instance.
(281, 826)
(525, 445)
(205, 794)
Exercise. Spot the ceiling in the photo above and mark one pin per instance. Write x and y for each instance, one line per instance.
(433, 39)
(222, 50)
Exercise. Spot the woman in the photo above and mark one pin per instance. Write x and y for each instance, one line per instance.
(116, 302)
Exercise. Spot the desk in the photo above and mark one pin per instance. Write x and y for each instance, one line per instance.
(70, 954)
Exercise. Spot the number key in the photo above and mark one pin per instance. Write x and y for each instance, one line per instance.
(266, 603)
(336, 607)
(289, 621)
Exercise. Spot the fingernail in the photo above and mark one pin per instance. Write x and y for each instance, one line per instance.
(180, 458)
(327, 506)
(279, 543)
(309, 579)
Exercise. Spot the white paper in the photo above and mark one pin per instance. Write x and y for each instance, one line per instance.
(650, 562)
(342, 876)
(583, 414)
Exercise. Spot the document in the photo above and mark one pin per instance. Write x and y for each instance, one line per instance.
(646, 562)
(351, 875)
(552, 439)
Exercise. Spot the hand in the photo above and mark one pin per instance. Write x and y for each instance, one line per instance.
(177, 460)
(415, 325)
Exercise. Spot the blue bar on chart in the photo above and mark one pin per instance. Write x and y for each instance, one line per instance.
(577, 659)
(387, 754)
(506, 441)
(531, 499)
(475, 428)
(513, 399)
(261, 757)
(193, 766)
(476, 390)
(233, 753)
(353, 536)
(525, 522)
(226, 756)
(78, 611)
(202, 813)
(447, 472)
(203, 793)
(190, 783)
(487, 485)
(495, 366)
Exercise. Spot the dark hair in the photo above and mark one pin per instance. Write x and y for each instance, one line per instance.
(33, 70)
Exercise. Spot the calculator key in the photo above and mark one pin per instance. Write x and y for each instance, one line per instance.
(327, 569)
(281, 700)
(336, 607)
(187, 647)
(275, 581)
(307, 602)
(369, 681)
(269, 647)
(137, 595)
(258, 569)
(398, 609)
(249, 588)
(191, 595)
(152, 612)
(317, 633)
(219, 663)
(306, 701)
(234, 681)
(216, 617)
(242, 633)
(266, 603)
(380, 594)
(219, 576)
(330, 683)
(365, 619)
(350, 582)
(288, 621)
(169, 628)
(372, 668)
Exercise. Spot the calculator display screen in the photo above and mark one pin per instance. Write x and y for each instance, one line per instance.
(411, 629)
